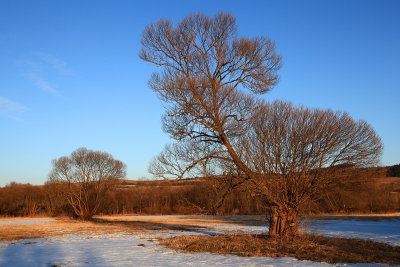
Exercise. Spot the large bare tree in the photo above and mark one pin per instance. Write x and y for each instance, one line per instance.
(205, 72)
(88, 175)
(205, 65)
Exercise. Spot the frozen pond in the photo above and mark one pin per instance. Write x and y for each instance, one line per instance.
(383, 229)
(139, 249)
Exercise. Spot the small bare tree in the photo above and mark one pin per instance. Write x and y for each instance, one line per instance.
(88, 175)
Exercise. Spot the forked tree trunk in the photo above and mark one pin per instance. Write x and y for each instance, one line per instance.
(283, 223)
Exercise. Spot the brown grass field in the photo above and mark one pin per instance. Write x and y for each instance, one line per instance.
(111, 224)
(57, 227)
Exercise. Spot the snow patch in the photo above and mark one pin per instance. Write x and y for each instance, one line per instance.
(25, 221)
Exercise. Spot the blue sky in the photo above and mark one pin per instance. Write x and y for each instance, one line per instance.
(70, 75)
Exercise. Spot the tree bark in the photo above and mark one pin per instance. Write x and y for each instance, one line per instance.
(283, 222)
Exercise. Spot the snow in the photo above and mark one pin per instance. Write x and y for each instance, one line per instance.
(120, 250)
(27, 221)
(123, 249)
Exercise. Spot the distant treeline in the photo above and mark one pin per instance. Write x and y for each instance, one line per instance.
(356, 191)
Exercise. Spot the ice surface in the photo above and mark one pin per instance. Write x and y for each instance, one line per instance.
(385, 229)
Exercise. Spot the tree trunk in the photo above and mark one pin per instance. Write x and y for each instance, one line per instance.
(283, 223)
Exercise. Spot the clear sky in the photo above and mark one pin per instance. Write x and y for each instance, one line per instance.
(70, 75)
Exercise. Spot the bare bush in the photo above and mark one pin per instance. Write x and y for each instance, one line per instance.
(393, 171)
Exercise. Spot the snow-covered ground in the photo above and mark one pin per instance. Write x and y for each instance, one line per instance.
(123, 249)
(120, 250)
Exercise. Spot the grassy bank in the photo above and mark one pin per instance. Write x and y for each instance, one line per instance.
(306, 247)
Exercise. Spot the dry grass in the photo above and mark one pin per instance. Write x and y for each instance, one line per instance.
(60, 226)
(307, 247)
(191, 220)
(101, 225)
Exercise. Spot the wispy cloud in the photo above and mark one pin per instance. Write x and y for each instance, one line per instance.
(41, 67)
(40, 82)
(55, 63)
(11, 109)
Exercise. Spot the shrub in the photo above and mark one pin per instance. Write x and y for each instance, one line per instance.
(393, 171)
